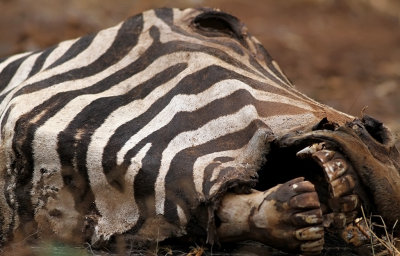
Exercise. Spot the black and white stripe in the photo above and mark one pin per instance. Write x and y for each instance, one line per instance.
(149, 118)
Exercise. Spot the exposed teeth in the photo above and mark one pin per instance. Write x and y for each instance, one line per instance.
(308, 151)
(341, 207)
(323, 156)
(342, 186)
(305, 200)
(315, 246)
(335, 168)
(334, 219)
(344, 204)
(311, 217)
(310, 233)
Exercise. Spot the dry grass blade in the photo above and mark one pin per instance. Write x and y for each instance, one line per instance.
(388, 241)
(196, 251)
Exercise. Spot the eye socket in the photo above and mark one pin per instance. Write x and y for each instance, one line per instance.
(211, 22)
(216, 24)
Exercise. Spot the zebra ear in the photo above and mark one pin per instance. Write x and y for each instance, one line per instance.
(216, 23)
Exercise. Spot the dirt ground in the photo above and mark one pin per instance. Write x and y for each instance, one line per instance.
(344, 53)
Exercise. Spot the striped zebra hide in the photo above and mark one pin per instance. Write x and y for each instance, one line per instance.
(179, 124)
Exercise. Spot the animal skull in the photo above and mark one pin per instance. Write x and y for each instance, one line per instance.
(294, 169)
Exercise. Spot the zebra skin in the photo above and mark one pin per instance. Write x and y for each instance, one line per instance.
(178, 123)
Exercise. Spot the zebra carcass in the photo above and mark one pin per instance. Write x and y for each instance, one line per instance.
(178, 124)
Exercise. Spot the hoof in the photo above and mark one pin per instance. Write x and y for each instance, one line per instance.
(287, 216)
(342, 205)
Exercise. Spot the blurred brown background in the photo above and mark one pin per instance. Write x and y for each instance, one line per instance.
(344, 53)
